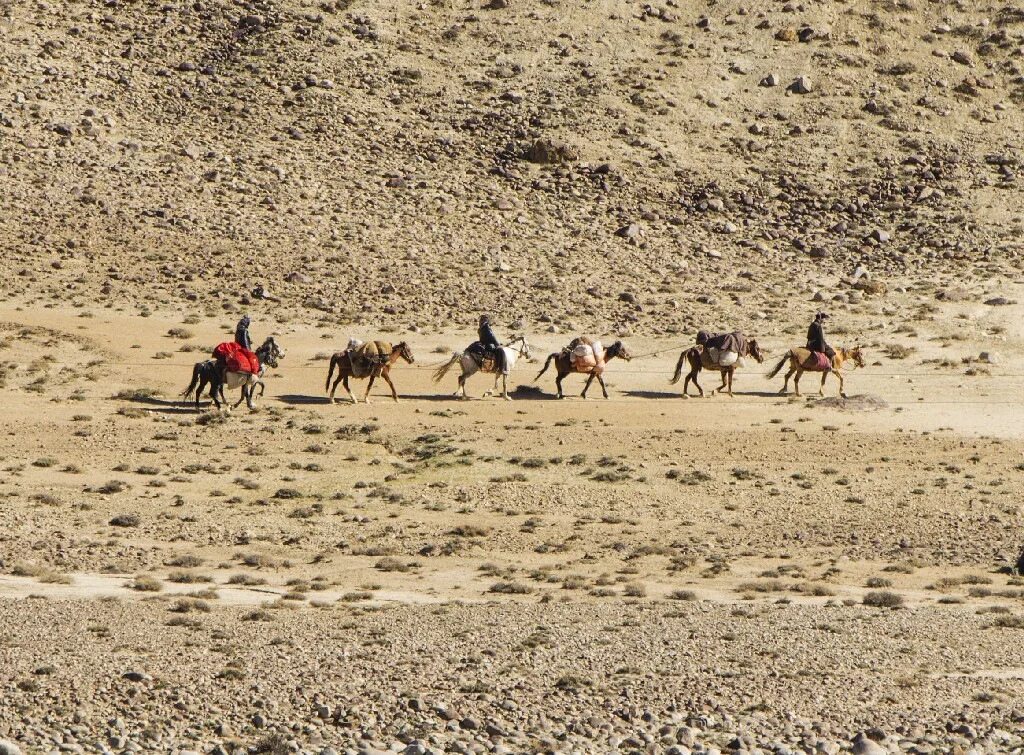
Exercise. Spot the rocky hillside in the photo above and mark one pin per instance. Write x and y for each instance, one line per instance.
(599, 164)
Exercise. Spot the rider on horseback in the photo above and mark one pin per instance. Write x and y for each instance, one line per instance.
(488, 344)
(242, 333)
(816, 337)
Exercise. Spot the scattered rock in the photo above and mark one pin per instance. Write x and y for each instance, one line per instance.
(546, 151)
(802, 85)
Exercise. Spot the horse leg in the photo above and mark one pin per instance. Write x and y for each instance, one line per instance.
(348, 390)
(604, 390)
(200, 389)
(732, 372)
(504, 387)
(558, 384)
(785, 383)
(842, 391)
(387, 378)
(821, 388)
(369, 385)
(335, 386)
(722, 373)
(586, 387)
(796, 381)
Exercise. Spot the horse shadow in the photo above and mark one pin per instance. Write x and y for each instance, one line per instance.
(166, 406)
(653, 394)
(300, 399)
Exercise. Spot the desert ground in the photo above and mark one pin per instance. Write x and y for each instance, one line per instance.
(649, 573)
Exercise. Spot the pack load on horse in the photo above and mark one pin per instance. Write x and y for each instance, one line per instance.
(803, 360)
(724, 349)
(360, 360)
(236, 358)
(584, 356)
(498, 362)
(724, 352)
(233, 367)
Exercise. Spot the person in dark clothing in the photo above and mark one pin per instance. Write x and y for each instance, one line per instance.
(816, 336)
(490, 343)
(242, 333)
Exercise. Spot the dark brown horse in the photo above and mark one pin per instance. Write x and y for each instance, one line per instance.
(370, 360)
(700, 358)
(565, 366)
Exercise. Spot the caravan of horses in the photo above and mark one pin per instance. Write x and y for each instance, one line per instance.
(582, 356)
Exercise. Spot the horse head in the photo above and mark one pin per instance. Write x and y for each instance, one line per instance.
(524, 347)
(618, 349)
(405, 352)
(857, 355)
(755, 351)
(270, 353)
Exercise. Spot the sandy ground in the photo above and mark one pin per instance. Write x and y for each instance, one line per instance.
(788, 512)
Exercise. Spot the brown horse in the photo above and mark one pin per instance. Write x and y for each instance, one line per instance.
(564, 365)
(699, 359)
(367, 366)
(801, 361)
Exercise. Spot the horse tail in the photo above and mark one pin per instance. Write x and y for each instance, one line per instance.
(679, 366)
(439, 375)
(547, 363)
(187, 393)
(775, 370)
(335, 362)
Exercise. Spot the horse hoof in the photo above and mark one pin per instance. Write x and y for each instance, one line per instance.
(507, 398)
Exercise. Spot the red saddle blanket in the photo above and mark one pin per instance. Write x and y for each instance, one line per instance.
(236, 358)
(819, 361)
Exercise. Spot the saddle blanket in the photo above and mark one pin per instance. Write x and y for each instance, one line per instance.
(236, 358)
(819, 362)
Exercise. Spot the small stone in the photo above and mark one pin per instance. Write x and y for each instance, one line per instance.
(136, 676)
(630, 231)
(550, 152)
(989, 357)
(881, 236)
(802, 85)
(786, 34)
(963, 58)
(771, 80)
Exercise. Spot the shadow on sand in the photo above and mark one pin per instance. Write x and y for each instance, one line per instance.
(166, 406)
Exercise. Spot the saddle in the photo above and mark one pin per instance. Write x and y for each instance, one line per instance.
(485, 356)
(368, 357)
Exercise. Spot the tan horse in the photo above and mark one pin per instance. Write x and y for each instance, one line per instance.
(372, 360)
(699, 359)
(564, 366)
(801, 361)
